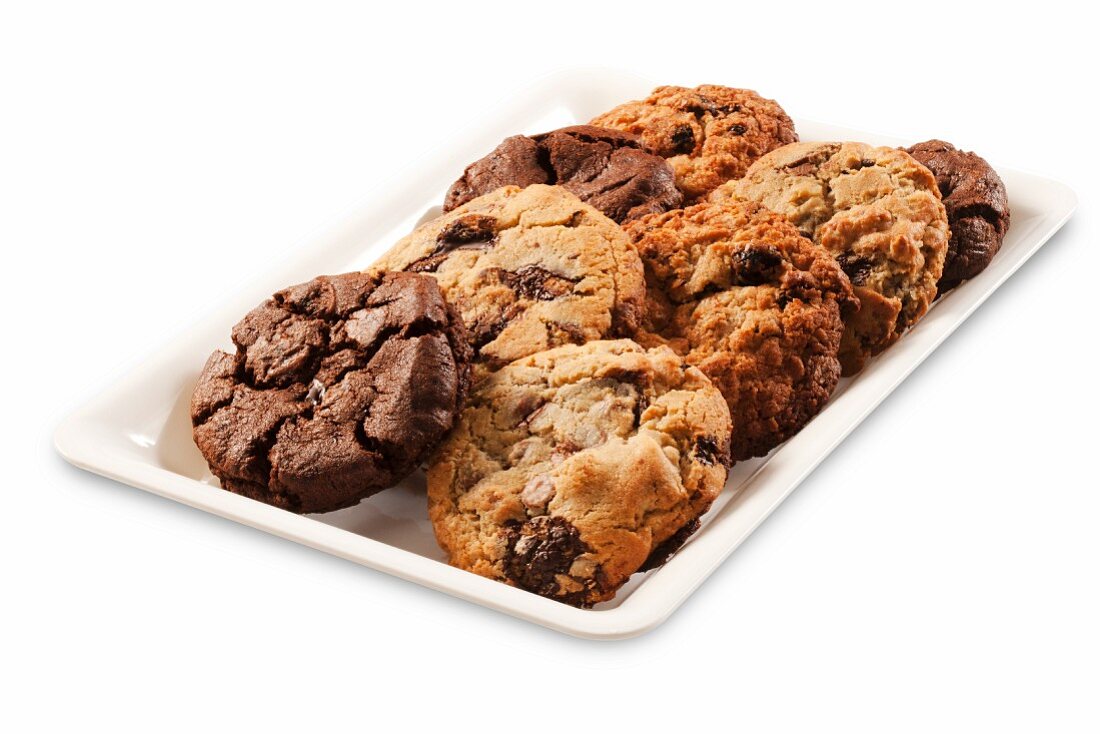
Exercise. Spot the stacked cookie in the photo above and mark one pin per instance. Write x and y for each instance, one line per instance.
(604, 319)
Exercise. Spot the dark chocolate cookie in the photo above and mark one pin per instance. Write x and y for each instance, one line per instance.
(977, 208)
(339, 388)
(610, 170)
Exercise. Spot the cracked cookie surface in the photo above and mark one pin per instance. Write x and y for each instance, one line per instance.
(977, 208)
(528, 269)
(878, 211)
(339, 388)
(609, 169)
(574, 468)
(740, 294)
(709, 135)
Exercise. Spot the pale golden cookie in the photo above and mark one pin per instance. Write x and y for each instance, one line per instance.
(528, 269)
(574, 468)
(879, 213)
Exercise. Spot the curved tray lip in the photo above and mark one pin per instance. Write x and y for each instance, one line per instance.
(91, 438)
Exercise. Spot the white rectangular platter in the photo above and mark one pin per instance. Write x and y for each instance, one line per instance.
(139, 431)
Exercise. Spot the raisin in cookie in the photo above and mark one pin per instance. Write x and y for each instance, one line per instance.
(741, 295)
(609, 169)
(878, 212)
(574, 468)
(339, 387)
(710, 134)
(977, 208)
(528, 269)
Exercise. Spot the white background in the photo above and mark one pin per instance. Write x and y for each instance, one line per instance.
(941, 571)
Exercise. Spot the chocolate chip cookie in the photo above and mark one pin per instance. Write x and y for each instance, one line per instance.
(977, 208)
(339, 387)
(528, 269)
(741, 295)
(710, 134)
(609, 169)
(879, 213)
(571, 469)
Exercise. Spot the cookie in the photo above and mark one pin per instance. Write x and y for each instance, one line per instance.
(609, 169)
(576, 467)
(710, 134)
(338, 388)
(977, 208)
(878, 212)
(741, 295)
(528, 269)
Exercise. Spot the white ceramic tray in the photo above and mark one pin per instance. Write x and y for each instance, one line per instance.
(139, 432)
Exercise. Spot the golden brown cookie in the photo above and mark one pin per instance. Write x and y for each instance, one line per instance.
(754, 305)
(528, 269)
(574, 468)
(710, 134)
(878, 212)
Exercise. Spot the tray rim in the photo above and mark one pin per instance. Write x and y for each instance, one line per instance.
(79, 438)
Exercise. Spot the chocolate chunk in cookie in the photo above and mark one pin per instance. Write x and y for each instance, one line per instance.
(338, 388)
(740, 294)
(528, 269)
(878, 211)
(611, 170)
(710, 134)
(977, 208)
(574, 468)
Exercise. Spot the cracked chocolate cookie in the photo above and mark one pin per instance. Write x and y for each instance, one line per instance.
(977, 208)
(574, 468)
(609, 169)
(740, 294)
(339, 388)
(528, 269)
(878, 212)
(710, 134)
